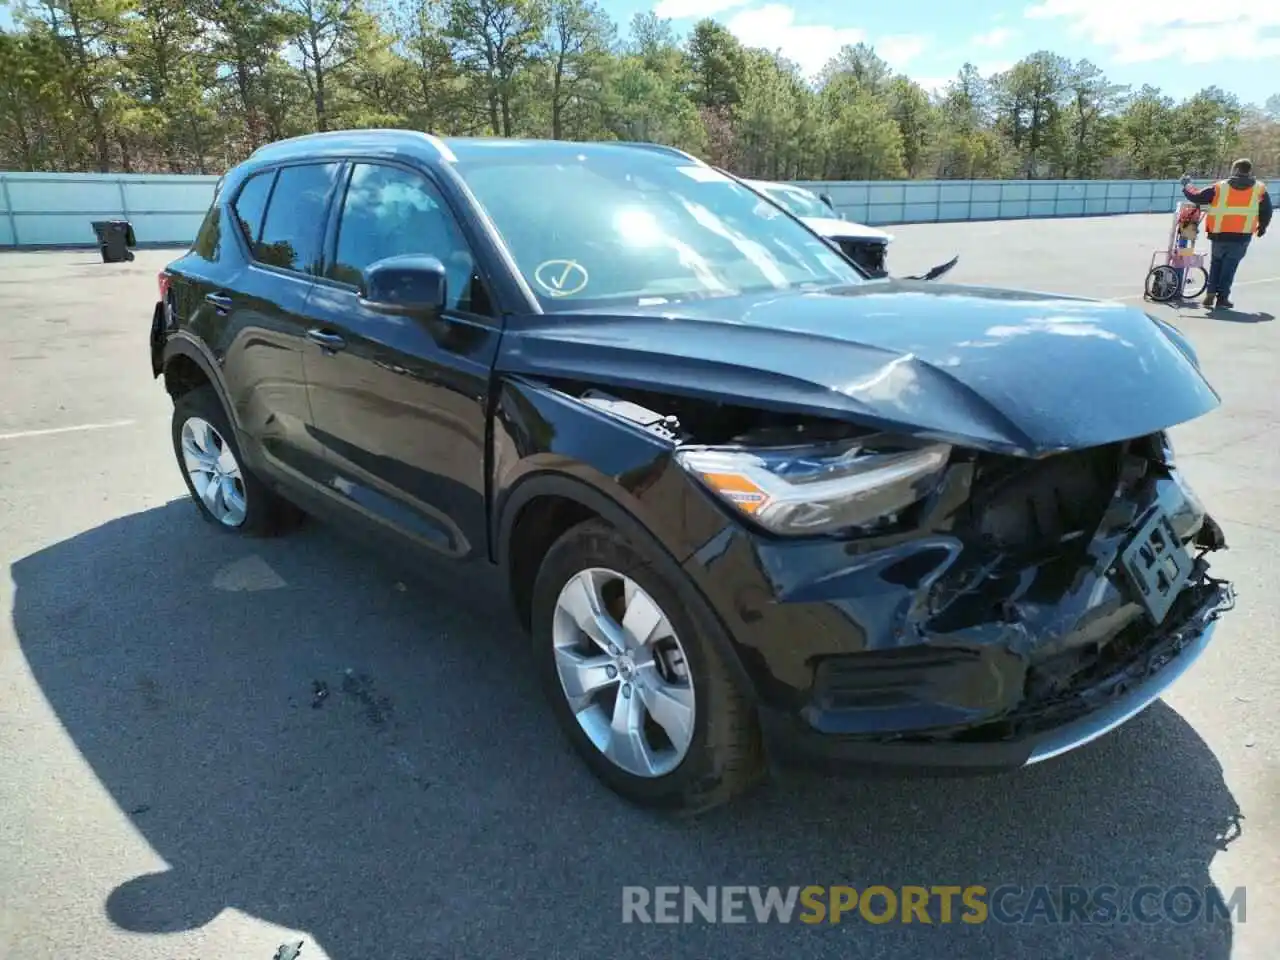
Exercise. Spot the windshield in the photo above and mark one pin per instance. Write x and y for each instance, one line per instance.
(598, 229)
(802, 203)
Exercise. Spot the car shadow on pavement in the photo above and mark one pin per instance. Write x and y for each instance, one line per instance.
(307, 734)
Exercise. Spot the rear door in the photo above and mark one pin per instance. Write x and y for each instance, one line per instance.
(400, 405)
(280, 216)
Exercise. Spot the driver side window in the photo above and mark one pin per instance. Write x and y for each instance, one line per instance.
(389, 211)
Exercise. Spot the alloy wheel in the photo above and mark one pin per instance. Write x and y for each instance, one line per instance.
(215, 474)
(624, 672)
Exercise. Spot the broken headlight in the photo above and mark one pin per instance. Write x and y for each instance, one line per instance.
(798, 491)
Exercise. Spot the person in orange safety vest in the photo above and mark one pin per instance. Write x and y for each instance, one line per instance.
(1239, 208)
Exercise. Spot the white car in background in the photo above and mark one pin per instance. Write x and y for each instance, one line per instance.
(865, 245)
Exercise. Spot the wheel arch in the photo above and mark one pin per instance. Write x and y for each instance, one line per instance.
(543, 506)
(186, 365)
(536, 512)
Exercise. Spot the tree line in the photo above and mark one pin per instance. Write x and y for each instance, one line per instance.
(194, 86)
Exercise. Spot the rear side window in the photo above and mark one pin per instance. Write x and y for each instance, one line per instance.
(291, 233)
(251, 204)
(208, 244)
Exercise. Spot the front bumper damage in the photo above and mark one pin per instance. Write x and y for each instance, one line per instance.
(931, 650)
(1031, 733)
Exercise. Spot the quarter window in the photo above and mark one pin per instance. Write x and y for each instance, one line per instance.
(208, 242)
(251, 204)
(389, 211)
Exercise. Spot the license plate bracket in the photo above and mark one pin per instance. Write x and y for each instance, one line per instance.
(1156, 565)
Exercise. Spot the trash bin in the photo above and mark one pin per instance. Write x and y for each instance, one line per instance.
(115, 237)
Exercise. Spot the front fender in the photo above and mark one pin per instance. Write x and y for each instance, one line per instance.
(548, 443)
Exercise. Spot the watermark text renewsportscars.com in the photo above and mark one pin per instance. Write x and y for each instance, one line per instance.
(937, 904)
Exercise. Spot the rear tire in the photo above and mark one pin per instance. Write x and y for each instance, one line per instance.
(722, 755)
(224, 490)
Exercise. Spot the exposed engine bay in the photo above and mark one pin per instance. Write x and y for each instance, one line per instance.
(689, 420)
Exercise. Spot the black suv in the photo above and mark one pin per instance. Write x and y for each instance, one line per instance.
(751, 503)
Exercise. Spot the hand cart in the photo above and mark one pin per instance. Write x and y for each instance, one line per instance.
(1181, 275)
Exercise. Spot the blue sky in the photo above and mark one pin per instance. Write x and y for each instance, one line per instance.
(1180, 47)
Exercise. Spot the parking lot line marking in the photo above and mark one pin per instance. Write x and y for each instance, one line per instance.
(23, 434)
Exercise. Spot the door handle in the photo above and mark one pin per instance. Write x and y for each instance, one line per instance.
(330, 341)
(221, 302)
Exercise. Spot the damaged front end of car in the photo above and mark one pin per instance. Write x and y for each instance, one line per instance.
(1020, 609)
(1016, 575)
(1058, 599)
(936, 606)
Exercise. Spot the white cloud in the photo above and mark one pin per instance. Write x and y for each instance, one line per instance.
(899, 50)
(993, 38)
(694, 9)
(933, 84)
(1143, 30)
(773, 27)
(987, 68)
(1207, 45)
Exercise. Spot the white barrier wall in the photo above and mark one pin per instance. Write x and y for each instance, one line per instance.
(55, 209)
(930, 201)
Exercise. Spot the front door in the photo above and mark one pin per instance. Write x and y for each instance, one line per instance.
(400, 404)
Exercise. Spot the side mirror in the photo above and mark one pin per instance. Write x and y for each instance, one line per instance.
(412, 284)
(831, 205)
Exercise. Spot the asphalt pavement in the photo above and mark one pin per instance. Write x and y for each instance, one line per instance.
(210, 748)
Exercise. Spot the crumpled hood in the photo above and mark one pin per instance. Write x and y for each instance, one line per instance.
(1021, 373)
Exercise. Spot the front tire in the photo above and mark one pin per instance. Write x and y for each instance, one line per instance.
(225, 491)
(639, 688)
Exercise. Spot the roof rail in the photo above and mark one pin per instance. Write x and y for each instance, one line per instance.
(441, 147)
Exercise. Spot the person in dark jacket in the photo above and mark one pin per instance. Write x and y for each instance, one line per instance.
(1239, 208)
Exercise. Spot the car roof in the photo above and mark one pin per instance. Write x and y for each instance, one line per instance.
(432, 149)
